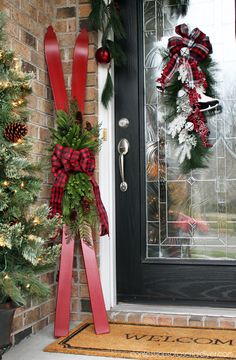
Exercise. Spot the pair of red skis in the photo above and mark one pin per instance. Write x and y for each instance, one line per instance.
(79, 76)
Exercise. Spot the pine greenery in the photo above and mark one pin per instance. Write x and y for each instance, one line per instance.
(105, 17)
(199, 154)
(79, 207)
(24, 227)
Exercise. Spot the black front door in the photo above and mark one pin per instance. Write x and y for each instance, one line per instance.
(176, 234)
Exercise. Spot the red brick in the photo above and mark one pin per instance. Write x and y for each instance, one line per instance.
(211, 322)
(75, 317)
(66, 12)
(66, 39)
(86, 317)
(33, 131)
(17, 323)
(84, 293)
(71, 25)
(38, 89)
(134, 318)
(84, 10)
(90, 94)
(119, 317)
(164, 320)
(47, 308)
(40, 325)
(37, 59)
(92, 66)
(149, 319)
(82, 277)
(90, 107)
(44, 134)
(31, 316)
(227, 323)
(75, 276)
(60, 26)
(180, 320)
(75, 305)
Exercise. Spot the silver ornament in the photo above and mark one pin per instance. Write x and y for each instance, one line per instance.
(189, 126)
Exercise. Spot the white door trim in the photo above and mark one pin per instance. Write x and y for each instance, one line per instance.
(107, 188)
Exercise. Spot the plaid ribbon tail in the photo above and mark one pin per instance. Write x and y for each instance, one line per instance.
(56, 200)
(100, 208)
(169, 70)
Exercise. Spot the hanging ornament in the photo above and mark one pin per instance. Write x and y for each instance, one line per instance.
(15, 132)
(189, 126)
(103, 55)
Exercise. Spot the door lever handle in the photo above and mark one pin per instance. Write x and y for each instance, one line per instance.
(123, 148)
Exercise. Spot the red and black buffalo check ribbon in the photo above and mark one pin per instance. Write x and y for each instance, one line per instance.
(66, 160)
(190, 48)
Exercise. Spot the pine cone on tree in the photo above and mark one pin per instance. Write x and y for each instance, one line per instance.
(15, 131)
(88, 126)
(85, 205)
(73, 215)
(79, 117)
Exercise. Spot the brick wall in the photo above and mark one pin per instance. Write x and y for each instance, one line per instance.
(26, 24)
(27, 21)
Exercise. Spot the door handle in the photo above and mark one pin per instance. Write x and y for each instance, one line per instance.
(123, 148)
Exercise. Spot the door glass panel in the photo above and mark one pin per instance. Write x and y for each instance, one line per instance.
(191, 216)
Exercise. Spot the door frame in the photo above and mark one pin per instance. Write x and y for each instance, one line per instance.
(106, 118)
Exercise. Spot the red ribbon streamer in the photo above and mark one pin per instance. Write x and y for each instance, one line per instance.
(66, 160)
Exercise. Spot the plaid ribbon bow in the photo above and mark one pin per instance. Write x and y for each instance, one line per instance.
(188, 49)
(66, 160)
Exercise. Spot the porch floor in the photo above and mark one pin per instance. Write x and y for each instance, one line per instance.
(32, 349)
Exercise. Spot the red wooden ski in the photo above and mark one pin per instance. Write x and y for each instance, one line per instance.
(79, 76)
(62, 316)
(79, 68)
(55, 70)
(66, 262)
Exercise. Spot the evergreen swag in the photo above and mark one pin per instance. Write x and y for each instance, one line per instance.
(199, 154)
(24, 228)
(78, 206)
(105, 17)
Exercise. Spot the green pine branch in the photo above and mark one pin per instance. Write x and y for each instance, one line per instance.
(25, 228)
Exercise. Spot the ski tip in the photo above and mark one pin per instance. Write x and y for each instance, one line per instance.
(50, 29)
(60, 333)
(83, 34)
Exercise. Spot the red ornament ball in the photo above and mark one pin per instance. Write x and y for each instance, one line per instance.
(103, 55)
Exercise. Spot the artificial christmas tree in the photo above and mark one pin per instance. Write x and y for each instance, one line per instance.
(24, 227)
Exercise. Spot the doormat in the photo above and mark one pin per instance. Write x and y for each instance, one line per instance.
(139, 341)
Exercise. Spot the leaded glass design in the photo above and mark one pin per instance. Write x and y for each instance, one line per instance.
(191, 216)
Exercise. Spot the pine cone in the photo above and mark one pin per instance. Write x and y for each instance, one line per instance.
(79, 117)
(85, 205)
(15, 131)
(88, 126)
(73, 215)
